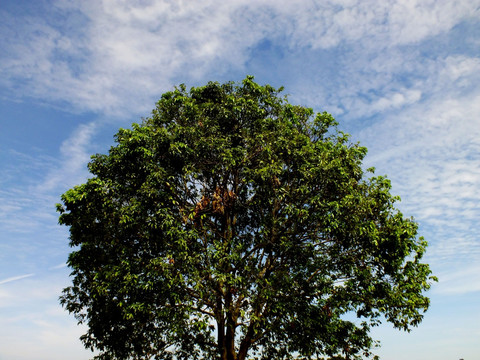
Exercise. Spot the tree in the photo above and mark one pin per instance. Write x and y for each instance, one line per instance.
(233, 225)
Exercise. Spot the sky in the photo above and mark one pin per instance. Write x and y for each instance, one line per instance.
(402, 77)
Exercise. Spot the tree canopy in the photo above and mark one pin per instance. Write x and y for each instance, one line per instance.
(234, 225)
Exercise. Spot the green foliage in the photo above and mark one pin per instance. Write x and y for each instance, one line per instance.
(234, 225)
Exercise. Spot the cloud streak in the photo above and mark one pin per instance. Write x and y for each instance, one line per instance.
(75, 153)
(15, 278)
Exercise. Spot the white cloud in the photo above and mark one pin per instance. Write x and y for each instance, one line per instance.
(22, 210)
(458, 67)
(430, 149)
(33, 185)
(31, 239)
(379, 24)
(34, 326)
(459, 280)
(59, 266)
(123, 53)
(75, 152)
(413, 20)
(15, 278)
(393, 99)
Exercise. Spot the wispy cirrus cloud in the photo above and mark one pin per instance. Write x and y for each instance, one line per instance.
(33, 323)
(461, 280)
(35, 181)
(75, 152)
(15, 278)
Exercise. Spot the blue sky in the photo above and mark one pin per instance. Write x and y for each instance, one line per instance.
(402, 77)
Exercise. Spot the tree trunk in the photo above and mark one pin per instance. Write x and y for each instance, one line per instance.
(230, 328)
(242, 353)
(222, 350)
(230, 342)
